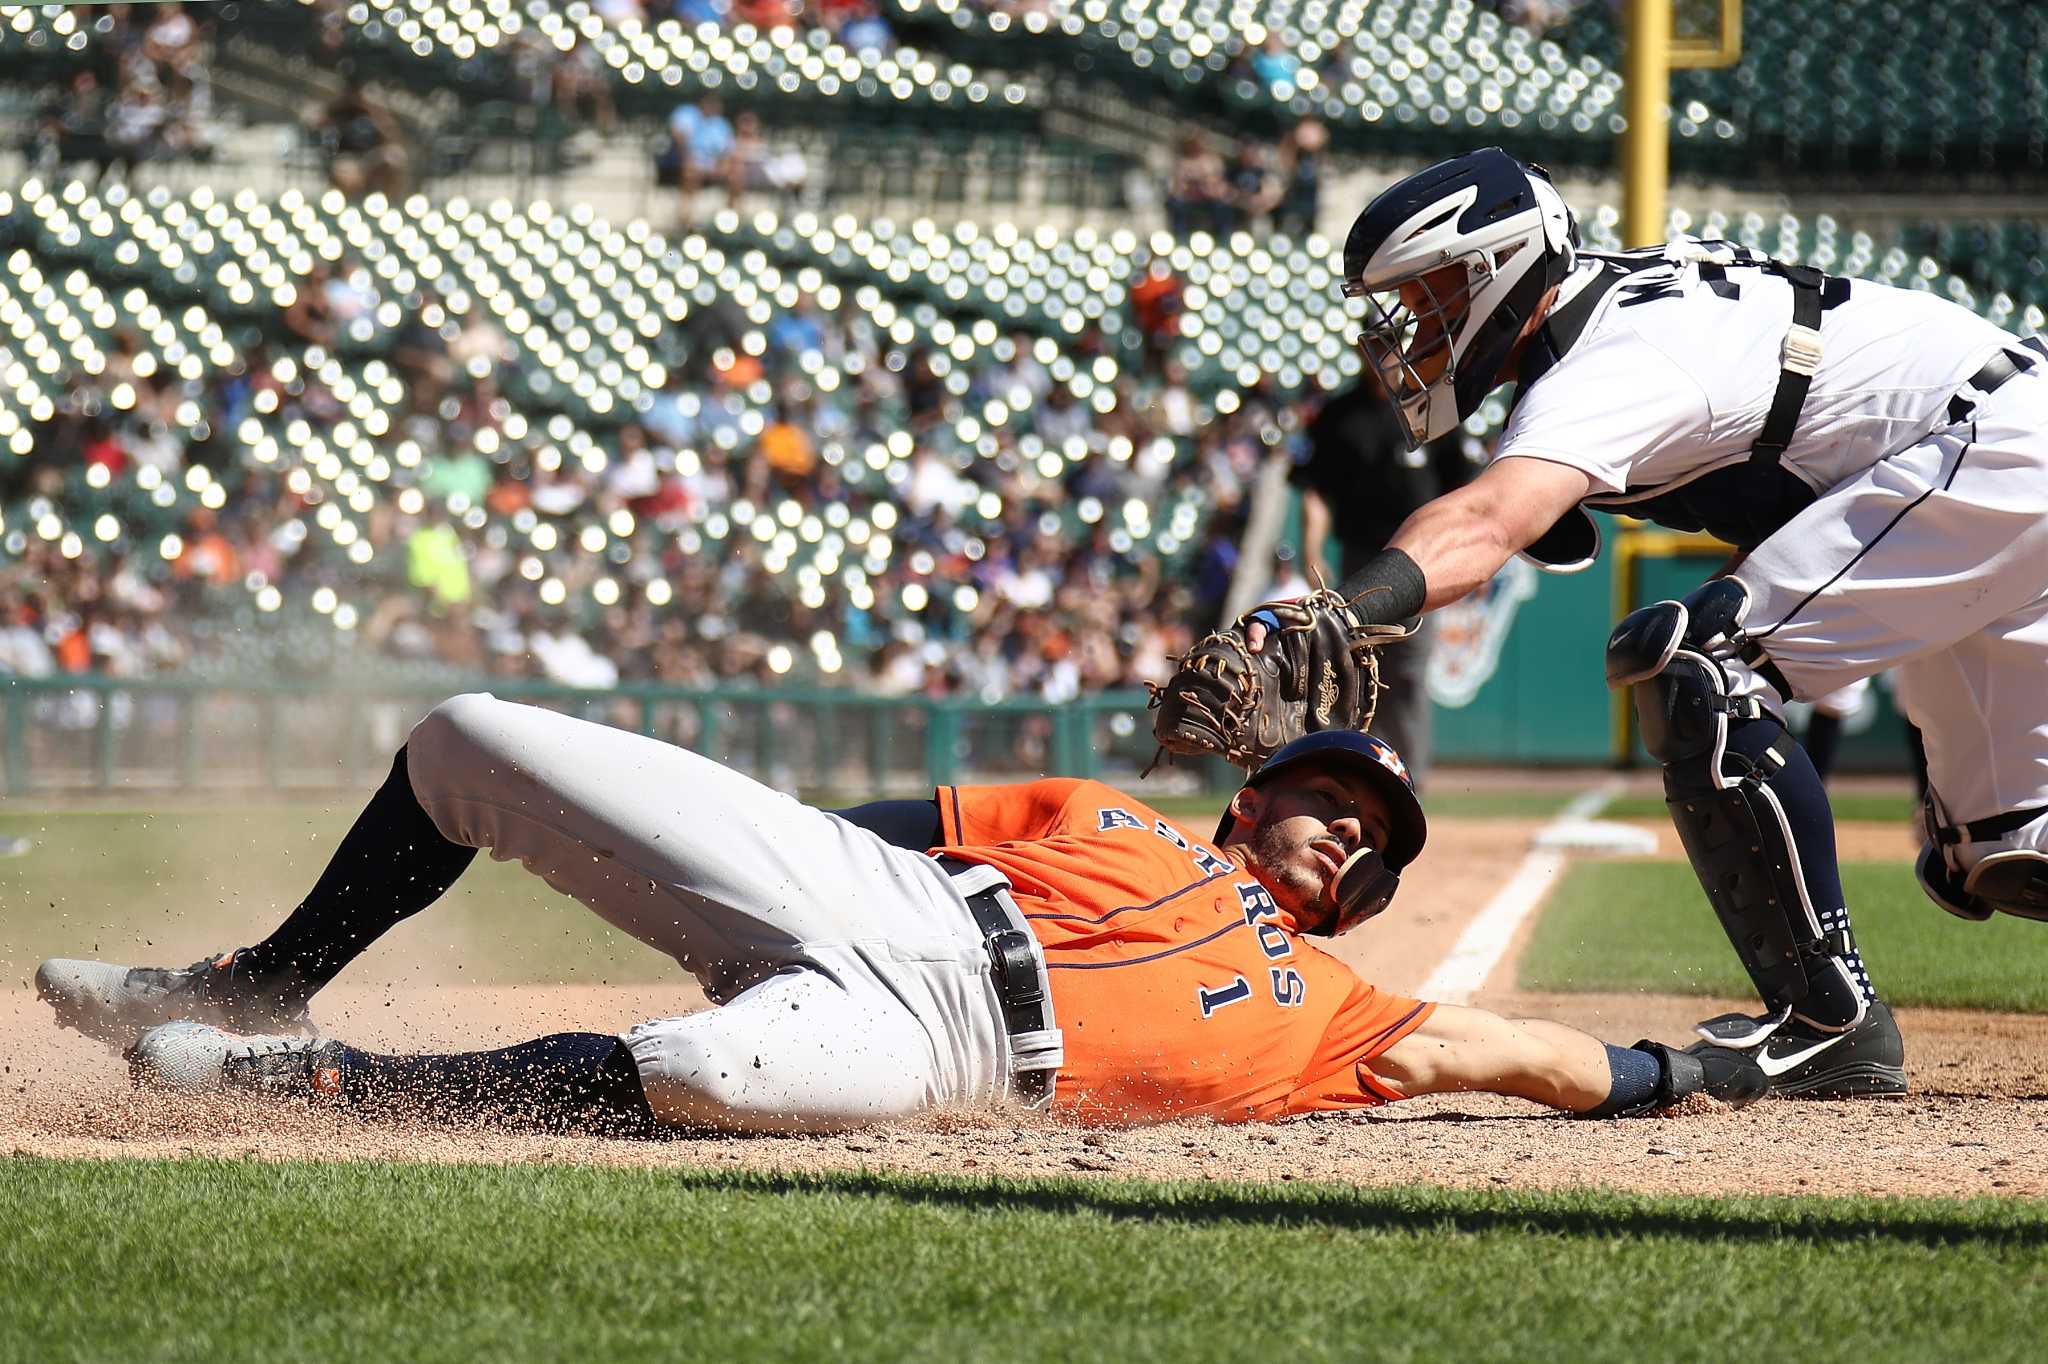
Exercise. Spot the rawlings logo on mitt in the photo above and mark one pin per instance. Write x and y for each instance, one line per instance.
(1318, 668)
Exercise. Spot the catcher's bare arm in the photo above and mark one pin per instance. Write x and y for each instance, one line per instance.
(1462, 539)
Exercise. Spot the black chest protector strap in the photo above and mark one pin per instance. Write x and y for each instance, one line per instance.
(1813, 293)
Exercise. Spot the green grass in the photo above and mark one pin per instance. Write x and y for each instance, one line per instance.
(1646, 926)
(1886, 807)
(229, 1261)
(167, 888)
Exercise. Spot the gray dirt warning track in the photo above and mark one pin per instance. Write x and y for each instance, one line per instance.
(1977, 1124)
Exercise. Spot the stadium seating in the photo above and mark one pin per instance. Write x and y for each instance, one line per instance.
(2008, 256)
(1255, 310)
(1865, 89)
(794, 75)
(585, 311)
(1412, 77)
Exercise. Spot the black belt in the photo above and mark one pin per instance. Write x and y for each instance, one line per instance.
(1988, 828)
(1019, 977)
(2001, 367)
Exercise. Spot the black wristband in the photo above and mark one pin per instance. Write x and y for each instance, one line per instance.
(1388, 590)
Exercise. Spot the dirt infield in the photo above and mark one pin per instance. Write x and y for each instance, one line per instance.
(1977, 1122)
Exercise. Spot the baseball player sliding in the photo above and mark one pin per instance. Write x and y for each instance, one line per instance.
(1879, 456)
(1054, 943)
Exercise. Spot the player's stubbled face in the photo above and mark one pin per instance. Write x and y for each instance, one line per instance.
(1307, 825)
(1438, 300)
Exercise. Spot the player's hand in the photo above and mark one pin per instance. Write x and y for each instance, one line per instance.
(1279, 671)
(1255, 627)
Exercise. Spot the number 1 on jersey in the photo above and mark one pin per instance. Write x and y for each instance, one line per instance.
(1236, 992)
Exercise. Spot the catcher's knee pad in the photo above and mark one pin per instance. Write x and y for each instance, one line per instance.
(1730, 773)
(2012, 881)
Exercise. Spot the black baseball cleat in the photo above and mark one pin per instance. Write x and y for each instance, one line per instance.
(115, 1004)
(1803, 1061)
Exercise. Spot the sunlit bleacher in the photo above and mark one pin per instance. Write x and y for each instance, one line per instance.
(1864, 89)
(1409, 75)
(469, 45)
(2008, 256)
(599, 324)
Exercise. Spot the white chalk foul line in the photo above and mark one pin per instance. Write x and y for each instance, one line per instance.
(1485, 940)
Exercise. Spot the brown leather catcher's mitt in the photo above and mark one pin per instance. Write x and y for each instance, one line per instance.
(1317, 669)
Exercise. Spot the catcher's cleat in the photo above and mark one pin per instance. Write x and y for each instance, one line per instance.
(1803, 1061)
(114, 1004)
(192, 1058)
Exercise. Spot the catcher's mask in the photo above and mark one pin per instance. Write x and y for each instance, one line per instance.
(1452, 263)
(1369, 877)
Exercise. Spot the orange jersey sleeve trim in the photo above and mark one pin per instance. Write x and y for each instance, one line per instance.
(1347, 1080)
(1377, 1048)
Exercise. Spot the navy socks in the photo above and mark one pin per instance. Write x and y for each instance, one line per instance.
(570, 1081)
(1832, 1001)
(391, 864)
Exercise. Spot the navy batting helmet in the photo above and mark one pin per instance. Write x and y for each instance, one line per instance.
(1370, 876)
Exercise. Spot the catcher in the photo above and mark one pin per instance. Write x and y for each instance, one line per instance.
(1053, 943)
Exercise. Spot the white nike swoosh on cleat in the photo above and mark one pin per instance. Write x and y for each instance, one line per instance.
(1775, 1066)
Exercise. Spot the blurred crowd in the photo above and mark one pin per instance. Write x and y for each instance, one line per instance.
(1006, 573)
(704, 147)
(1259, 186)
(144, 94)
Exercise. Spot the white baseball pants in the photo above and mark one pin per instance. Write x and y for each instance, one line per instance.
(1934, 561)
(851, 981)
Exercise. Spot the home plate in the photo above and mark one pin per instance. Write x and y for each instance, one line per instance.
(1594, 835)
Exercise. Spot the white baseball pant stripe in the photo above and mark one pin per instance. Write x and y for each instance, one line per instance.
(851, 981)
(1933, 561)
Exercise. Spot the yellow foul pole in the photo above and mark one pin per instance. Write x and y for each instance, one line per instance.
(1646, 148)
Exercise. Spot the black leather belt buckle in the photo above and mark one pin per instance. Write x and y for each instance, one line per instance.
(1016, 966)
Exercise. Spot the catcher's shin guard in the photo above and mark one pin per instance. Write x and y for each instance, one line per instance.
(1749, 809)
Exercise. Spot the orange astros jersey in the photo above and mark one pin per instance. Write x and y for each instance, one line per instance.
(1182, 988)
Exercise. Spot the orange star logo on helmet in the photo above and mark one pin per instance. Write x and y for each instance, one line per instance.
(327, 1079)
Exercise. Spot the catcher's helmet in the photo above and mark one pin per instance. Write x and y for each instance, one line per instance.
(1370, 876)
(1439, 352)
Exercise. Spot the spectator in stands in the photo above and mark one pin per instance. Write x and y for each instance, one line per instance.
(364, 146)
(1303, 157)
(758, 166)
(1536, 16)
(580, 84)
(860, 27)
(172, 40)
(310, 317)
(1254, 190)
(1197, 192)
(700, 150)
(1155, 307)
(74, 124)
(135, 126)
(1274, 64)
(767, 14)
